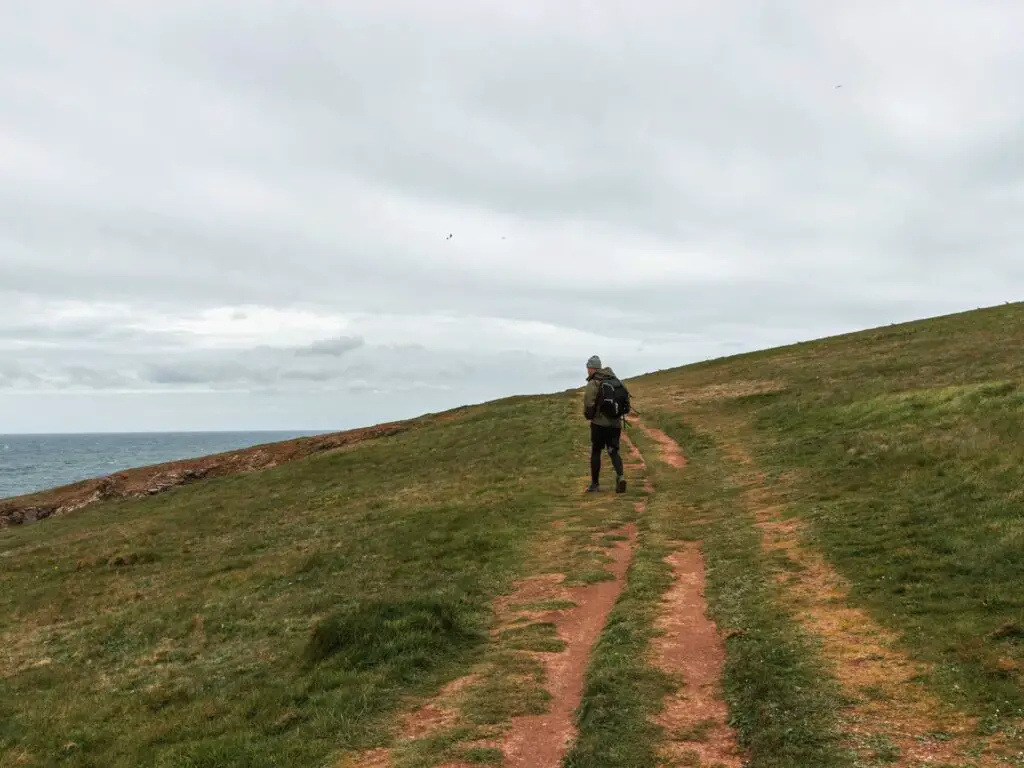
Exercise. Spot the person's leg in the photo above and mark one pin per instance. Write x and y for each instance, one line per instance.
(614, 436)
(597, 444)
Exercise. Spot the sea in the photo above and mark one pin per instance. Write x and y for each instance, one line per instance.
(31, 463)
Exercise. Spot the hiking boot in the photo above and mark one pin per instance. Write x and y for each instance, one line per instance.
(620, 486)
(593, 488)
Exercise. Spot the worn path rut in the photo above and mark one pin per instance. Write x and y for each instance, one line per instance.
(541, 741)
(695, 716)
(893, 716)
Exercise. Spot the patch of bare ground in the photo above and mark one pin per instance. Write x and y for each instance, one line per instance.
(432, 716)
(695, 716)
(437, 713)
(668, 449)
(21, 756)
(375, 758)
(533, 590)
(892, 713)
(540, 741)
(579, 615)
(637, 465)
(893, 717)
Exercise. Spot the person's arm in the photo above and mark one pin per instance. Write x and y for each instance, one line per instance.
(590, 400)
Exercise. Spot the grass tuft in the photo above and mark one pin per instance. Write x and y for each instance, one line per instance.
(697, 732)
(539, 636)
(409, 636)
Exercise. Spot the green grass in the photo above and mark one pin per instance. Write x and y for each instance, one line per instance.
(623, 691)
(285, 617)
(698, 732)
(409, 636)
(883, 750)
(441, 745)
(783, 702)
(546, 605)
(482, 756)
(276, 618)
(917, 499)
(511, 679)
(512, 684)
(903, 449)
(540, 636)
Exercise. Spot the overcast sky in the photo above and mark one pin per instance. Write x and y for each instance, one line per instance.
(231, 215)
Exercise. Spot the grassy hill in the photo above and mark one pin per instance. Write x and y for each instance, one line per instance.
(858, 501)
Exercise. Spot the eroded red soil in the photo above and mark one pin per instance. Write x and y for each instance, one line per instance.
(541, 741)
(148, 481)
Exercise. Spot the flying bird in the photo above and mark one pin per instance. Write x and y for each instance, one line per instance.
(449, 236)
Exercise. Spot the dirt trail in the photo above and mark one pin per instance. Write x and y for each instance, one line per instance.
(669, 450)
(891, 704)
(541, 741)
(637, 465)
(535, 741)
(695, 716)
(437, 713)
(893, 712)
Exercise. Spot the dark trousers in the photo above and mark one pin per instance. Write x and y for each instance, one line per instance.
(602, 438)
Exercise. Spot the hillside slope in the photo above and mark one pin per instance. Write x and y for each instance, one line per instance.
(881, 476)
(848, 508)
(179, 629)
(157, 478)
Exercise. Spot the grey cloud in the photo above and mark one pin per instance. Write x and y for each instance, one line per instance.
(335, 347)
(13, 375)
(89, 334)
(601, 155)
(267, 368)
(216, 373)
(18, 376)
(315, 158)
(94, 378)
(319, 376)
(400, 348)
(190, 373)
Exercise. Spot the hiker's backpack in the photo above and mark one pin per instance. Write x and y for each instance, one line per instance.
(613, 398)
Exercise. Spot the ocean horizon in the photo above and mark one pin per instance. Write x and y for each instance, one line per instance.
(31, 462)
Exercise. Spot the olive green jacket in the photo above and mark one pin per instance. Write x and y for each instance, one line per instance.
(590, 411)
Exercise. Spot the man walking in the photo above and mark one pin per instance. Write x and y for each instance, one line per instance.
(605, 430)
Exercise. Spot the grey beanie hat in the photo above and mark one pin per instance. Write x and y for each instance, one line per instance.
(595, 362)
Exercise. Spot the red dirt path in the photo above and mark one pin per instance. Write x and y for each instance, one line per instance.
(669, 452)
(691, 647)
(695, 716)
(541, 741)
